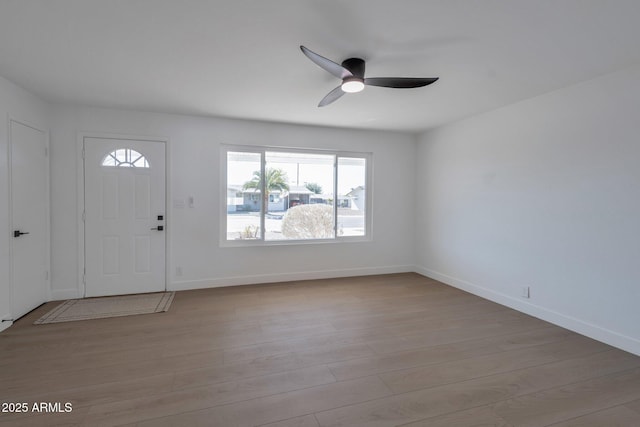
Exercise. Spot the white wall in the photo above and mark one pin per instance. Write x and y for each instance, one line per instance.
(544, 193)
(20, 105)
(194, 151)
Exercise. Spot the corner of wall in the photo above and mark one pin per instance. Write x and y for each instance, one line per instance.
(579, 326)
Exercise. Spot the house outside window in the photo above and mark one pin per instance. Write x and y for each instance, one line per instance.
(305, 196)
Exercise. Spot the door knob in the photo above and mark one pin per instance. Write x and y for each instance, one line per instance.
(159, 228)
(18, 233)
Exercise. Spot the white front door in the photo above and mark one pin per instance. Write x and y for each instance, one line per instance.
(29, 217)
(125, 219)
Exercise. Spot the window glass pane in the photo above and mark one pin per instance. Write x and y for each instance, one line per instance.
(300, 196)
(352, 174)
(125, 158)
(243, 196)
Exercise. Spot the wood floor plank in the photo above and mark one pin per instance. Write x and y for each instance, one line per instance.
(280, 406)
(618, 416)
(279, 346)
(75, 418)
(431, 402)
(635, 405)
(482, 416)
(57, 381)
(447, 352)
(404, 380)
(430, 310)
(193, 399)
(571, 401)
(268, 365)
(375, 350)
(304, 421)
(84, 397)
(461, 332)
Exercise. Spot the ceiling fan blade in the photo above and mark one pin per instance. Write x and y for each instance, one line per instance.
(331, 96)
(326, 64)
(399, 82)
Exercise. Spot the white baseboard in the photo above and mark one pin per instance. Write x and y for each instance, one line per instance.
(582, 327)
(62, 294)
(286, 277)
(596, 332)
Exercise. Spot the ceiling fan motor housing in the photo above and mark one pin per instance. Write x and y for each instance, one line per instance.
(356, 66)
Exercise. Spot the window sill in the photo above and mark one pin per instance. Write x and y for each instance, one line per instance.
(243, 243)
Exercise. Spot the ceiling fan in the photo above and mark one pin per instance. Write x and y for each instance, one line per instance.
(351, 72)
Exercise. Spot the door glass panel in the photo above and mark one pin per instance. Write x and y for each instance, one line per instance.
(125, 158)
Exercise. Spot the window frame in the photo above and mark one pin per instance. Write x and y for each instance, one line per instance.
(262, 150)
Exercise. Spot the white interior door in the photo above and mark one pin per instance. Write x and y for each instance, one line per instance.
(29, 217)
(124, 216)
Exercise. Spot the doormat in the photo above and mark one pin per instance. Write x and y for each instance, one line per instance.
(103, 307)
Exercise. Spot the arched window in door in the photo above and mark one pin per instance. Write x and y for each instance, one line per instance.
(125, 158)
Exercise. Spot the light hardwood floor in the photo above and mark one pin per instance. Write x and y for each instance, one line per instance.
(391, 350)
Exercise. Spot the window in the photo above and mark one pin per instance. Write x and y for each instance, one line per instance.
(125, 158)
(306, 195)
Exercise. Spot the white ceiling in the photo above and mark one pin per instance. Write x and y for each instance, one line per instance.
(240, 58)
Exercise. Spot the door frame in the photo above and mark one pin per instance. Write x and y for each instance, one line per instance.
(47, 224)
(81, 136)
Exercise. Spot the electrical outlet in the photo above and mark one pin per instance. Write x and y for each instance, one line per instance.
(525, 292)
(178, 271)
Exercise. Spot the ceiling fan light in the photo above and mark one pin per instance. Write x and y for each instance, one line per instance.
(352, 85)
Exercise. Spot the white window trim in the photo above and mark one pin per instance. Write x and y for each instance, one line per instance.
(368, 156)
